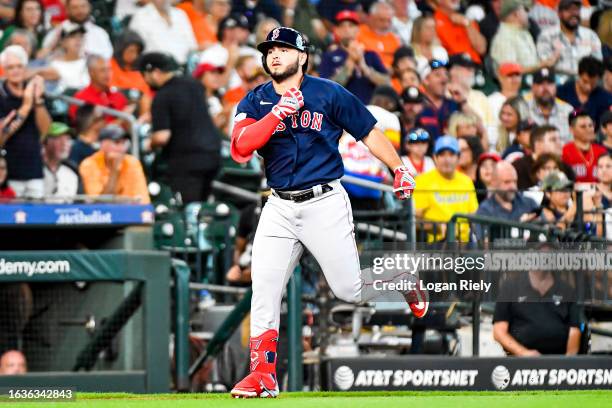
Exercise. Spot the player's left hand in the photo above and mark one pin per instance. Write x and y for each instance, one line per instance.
(403, 184)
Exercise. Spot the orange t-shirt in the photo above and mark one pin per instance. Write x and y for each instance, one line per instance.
(454, 37)
(396, 84)
(128, 79)
(201, 29)
(234, 95)
(384, 45)
(131, 182)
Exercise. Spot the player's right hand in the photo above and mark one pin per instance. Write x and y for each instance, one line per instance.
(289, 103)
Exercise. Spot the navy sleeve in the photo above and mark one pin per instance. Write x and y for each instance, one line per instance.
(376, 63)
(327, 68)
(248, 108)
(349, 113)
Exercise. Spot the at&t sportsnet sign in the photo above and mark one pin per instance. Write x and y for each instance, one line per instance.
(454, 373)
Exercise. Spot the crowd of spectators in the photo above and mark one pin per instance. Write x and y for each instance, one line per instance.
(512, 82)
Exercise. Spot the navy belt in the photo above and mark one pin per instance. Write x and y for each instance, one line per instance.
(305, 195)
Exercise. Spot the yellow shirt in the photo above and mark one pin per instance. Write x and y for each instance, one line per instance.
(441, 198)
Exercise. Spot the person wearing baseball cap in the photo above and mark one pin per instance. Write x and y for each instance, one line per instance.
(183, 129)
(412, 106)
(520, 145)
(568, 43)
(295, 122)
(509, 75)
(444, 191)
(348, 63)
(513, 41)
(558, 192)
(437, 107)
(416, 143)
(112, 171)
(462, 74)
(543, 105)
(61, 178)
(70, 65)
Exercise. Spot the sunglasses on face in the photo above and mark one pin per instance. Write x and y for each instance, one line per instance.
(434, 64)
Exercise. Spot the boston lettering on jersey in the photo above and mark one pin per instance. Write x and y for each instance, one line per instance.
(303, 150)
(305, 119)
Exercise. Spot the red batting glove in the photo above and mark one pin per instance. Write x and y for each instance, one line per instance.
(289, 103)
(403, 184)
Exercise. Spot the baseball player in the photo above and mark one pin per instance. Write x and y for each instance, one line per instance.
(294, 122)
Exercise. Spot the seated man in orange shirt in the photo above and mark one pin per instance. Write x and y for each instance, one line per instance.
(458, 34)
(111, 171)
(377, 36)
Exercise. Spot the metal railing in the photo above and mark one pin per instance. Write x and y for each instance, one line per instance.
(131, 119)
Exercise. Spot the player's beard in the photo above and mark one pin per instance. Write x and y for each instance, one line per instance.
(289, 72)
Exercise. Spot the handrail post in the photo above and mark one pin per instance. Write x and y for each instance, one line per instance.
(181, 335)
(294, 328)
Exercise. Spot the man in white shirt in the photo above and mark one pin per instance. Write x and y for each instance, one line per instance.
(569, 40)
(61, 180)
(96, 40)
(165, 29)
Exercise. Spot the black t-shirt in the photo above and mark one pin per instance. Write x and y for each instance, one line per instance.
(523, 168)
(180, 106)
(80, 151)
(538, 322)
(23, 149)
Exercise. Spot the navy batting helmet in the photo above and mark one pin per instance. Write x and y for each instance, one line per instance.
(283, 37)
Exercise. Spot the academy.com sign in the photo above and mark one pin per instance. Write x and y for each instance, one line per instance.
(31, 268)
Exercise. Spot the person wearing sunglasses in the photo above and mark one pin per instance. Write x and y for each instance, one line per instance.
(582, 153)
(437, 107)
(416, 144)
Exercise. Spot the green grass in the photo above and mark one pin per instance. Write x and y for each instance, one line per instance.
(396, 399)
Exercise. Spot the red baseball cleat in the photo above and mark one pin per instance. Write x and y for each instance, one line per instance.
(256, 384)
(261, 381)
(418, 301)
